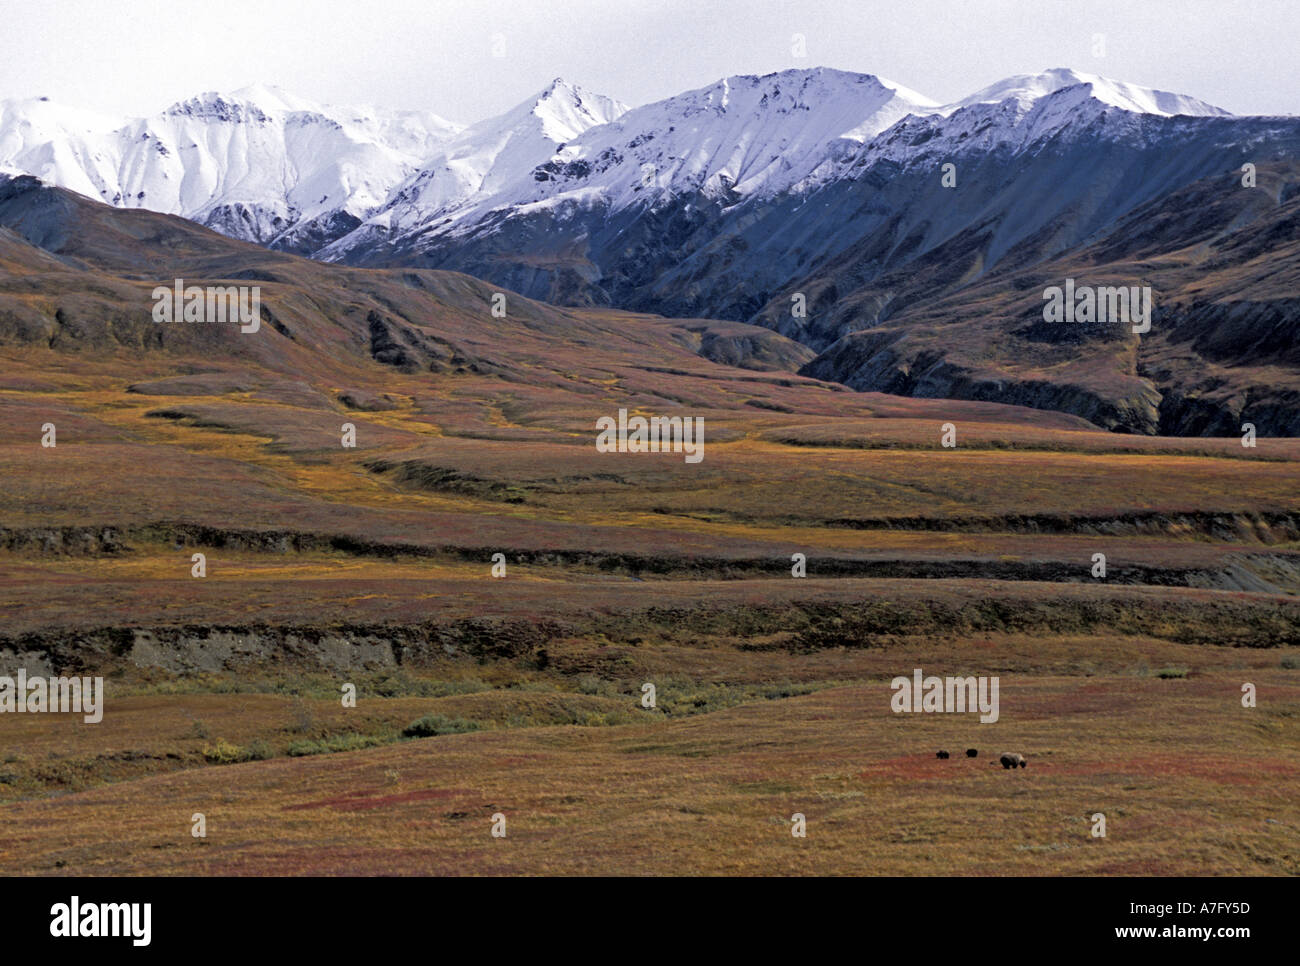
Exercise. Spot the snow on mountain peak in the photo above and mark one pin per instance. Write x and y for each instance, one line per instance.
(485, 156)
(251, 163)
(566, 110)
(741, 137)
(265, 103)
(1025, 89)
(745, 133)
(263, 164)
(272, 98)
(256, 99)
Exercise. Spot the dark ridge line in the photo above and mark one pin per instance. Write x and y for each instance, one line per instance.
(1014, 445)
(110, 540)
(1220, 524)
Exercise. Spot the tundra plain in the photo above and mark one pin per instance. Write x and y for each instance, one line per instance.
(372, 565)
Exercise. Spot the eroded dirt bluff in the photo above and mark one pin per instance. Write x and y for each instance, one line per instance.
(817, 622)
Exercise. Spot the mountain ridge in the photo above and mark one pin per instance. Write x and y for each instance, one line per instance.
(394, 154)
(863, 201)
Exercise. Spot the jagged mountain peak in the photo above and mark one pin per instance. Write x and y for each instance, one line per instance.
(484, 157)
(268, 102)
(264, 164)
(805, 87)
(737, 140)
(745, 132)
(845, 79)
(260, 98)
(566, 110)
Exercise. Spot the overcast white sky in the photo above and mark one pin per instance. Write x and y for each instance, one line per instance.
(137, 56)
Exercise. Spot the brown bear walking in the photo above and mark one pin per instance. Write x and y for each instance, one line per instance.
(1011, 759)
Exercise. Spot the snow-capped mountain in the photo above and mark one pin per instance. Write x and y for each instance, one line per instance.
(257, 164)
(486, 157)
(890, 214)
(709, 202)
(741, 139)
(1025, 89)
(371, 186)
(1030, 107)
(705, 203)
(746, 136)
(60, 145)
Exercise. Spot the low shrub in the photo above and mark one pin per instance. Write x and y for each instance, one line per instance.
(438, 724)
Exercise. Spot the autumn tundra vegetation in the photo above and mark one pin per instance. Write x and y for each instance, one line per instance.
(361, 580)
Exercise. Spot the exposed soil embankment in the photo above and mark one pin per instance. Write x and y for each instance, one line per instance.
(198, 648)
(806, 626)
